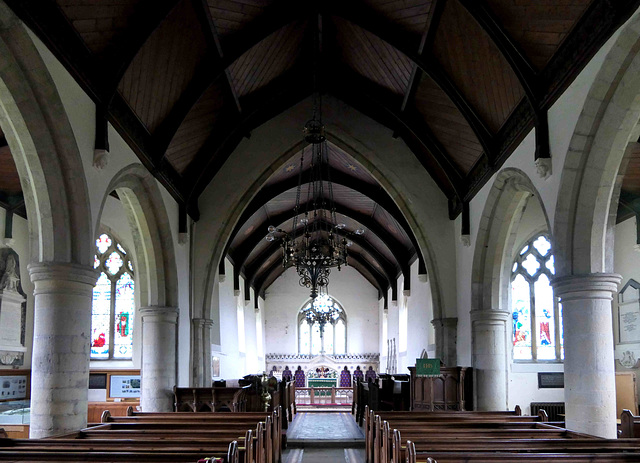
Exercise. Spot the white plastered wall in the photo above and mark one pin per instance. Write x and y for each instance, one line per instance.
(418, 304)
(235, 364)
(285, 297)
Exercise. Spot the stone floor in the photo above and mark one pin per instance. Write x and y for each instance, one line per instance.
(324, 437)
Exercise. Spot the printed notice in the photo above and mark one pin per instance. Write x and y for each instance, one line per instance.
(629, 316)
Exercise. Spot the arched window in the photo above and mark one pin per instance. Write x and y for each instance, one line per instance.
(334, 337)
(113, 302)
(537, 316)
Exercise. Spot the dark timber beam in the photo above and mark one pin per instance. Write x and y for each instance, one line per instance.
(367, 98)
(390, 270)
(243, 251)
(117, 58)
(258, 108)
(363, 16)
(211, 33)
(213, 67)
(375, 193)
(516, 58)
(428, 37)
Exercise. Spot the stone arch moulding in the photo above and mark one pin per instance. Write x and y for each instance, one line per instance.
(152, 239)
(496, 236)
(591, 177)
(44, 149)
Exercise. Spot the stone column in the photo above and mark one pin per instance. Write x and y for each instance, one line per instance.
(198, 352)
(489, 358)
(206, 340)
(61, 337)
(158, 358)
(589, 368)
(201, 352)
(446, 340)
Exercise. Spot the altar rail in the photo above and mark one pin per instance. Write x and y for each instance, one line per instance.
(324, 395)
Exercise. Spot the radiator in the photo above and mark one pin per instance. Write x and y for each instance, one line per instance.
(553, 409)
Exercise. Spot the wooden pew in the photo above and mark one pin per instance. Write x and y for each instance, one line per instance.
(27, 450)
(513, 457)
(209, 399)
(370, 421)
(383, 445)
(629, 424)
(3, 433)
(567, 442)
(274, 428)
(198, 423)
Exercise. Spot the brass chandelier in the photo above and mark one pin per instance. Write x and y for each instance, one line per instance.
(317, 247)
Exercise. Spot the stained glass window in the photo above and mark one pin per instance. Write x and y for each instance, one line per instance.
(537, 316)
(333, 340)
(113, 302)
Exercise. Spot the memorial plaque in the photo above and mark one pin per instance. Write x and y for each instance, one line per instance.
(13, 387)
(550, 380)
(629, 316)
(124, 386)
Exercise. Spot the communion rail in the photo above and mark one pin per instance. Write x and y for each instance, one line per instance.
(324, 395)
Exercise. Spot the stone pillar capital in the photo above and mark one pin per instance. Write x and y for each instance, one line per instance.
(489, 316)
(589, 286)
(59, 277)
(159, 314)
(202, 322)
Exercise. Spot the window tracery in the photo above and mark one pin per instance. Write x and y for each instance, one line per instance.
(113, 302)
(334, 338)
(536, 313)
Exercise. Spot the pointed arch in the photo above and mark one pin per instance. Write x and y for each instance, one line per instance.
(155, 256)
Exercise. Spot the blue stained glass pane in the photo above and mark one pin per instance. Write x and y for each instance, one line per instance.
(123, 322)
(521, 312)
(100, 314)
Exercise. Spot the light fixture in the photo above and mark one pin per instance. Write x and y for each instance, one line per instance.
(321, 243)
(321, 311)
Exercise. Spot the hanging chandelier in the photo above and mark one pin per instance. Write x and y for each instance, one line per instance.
(320, 244)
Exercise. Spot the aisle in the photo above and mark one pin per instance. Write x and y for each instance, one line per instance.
(324, 437)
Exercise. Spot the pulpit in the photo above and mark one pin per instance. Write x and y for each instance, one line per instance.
(452, 390)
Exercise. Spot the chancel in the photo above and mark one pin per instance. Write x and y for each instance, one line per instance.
(452, 182)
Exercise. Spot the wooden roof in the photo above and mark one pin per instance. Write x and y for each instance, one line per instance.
(460, 81)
